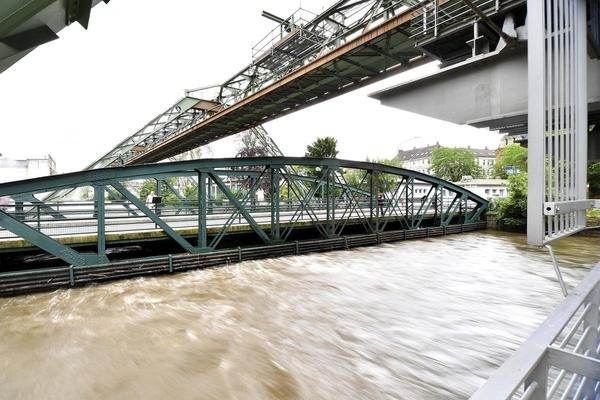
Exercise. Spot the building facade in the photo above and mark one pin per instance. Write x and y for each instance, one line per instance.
(419, 158)
(14, 170)
(489, 189)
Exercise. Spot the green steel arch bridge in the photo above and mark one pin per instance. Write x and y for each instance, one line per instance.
(253, 207)
(306, 59)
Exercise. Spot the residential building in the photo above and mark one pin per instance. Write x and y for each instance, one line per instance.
(14, 170)
(419, 158)
(486, 188)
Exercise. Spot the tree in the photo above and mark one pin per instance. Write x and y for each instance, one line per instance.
(322, 148)
(512, 156)
(392, 162)
(453, 164)
(388, 182)
(86, 193)
(512, 211)
(168, 196)
(250, 146)
(594, 178)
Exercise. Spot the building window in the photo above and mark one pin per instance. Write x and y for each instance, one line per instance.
(487, 191)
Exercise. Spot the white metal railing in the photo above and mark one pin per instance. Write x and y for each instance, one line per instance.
(557, 62)
(560, 360)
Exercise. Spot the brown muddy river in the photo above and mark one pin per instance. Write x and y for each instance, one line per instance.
(427, 319)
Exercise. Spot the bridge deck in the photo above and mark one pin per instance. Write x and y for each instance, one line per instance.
(143, 230)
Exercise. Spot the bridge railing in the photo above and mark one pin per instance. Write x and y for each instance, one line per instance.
(68, 218)
(561, 359)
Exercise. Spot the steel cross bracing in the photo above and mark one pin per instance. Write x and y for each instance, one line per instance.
(305, 60)
(270, 196)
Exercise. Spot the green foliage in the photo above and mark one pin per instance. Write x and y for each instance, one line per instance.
(322, 148)
(114, 195)
(357, 178)
(190, 193)
(514, 156)
(593, 217)
(512, 211)
(86, 193)
(149, 185)
(388, 182)
(169, 197)
(392, 162)
(453, 164)
(594, 179)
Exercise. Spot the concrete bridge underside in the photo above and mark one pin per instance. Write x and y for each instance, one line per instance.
(486, 91)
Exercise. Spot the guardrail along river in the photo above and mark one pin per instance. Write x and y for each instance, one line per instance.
(423, 319)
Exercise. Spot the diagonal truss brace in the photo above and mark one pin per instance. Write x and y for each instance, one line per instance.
(240, 207)
(154, 218)
(46, 243)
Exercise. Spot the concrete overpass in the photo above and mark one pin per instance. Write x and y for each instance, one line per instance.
(486, 91)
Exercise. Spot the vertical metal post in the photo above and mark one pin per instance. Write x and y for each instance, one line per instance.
(536, 132)
(275, 181)
(539, 378)
(72, 275)
(19, 214)
(158, 194)
(202, 230)
(371, 195)
(410, 202)
(209, 198)
(328, 210)
(373, 204)
(581, 105)
(101, 219)
(435, 18)
(333, 198)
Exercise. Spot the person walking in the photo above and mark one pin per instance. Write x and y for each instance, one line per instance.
(381, 204)
(149, 198)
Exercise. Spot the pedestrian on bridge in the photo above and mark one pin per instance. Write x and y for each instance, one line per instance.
(150, 198)
(381, 204)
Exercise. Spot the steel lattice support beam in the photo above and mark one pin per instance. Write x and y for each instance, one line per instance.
(350, 44)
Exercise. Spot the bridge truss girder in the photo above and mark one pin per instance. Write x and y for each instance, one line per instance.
(327, 194)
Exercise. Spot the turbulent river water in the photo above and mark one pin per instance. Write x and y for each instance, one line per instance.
(424, 319)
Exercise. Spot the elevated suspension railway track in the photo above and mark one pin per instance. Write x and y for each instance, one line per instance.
(310, 58)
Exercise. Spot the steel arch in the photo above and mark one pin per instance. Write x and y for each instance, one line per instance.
(321, 193)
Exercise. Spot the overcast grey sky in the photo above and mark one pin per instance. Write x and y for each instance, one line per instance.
(77, 97)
